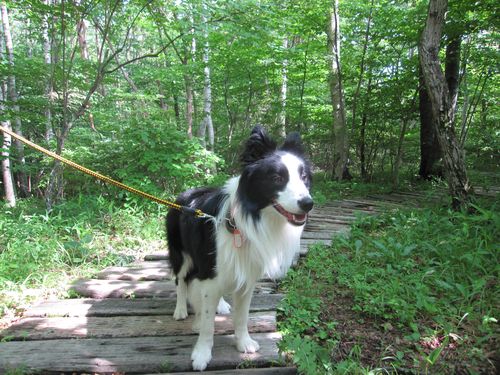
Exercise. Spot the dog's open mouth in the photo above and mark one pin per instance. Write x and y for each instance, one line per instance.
(294, 219)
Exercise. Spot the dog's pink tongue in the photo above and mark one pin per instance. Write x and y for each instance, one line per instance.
(299, 217)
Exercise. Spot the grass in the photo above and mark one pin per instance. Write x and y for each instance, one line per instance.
(40, 252)
(409, 291)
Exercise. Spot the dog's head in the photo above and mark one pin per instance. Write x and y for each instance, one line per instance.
(279, 177)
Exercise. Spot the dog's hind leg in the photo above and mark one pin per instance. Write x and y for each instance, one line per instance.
(241, 306)
(181, 289)
(209, 296)
(194, 297)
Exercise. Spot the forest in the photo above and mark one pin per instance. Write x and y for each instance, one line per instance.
(388, 95)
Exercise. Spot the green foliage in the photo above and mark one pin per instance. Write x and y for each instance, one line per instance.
(40, 251)
(154, 158)
(432, 274)
(414, 264)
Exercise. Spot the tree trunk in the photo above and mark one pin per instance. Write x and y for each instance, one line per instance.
(340, 142)
(189, 104)
(442, 106)
(362, 132)
(81, 29)
(8, 183)
(283, 91)
(47, 57)
(430, 151)
(452, 69)
(161, 95)
(302, 88)
(177, 110)
(206, 124)
(21, 178)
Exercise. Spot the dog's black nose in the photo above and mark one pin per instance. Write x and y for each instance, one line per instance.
(306, 204)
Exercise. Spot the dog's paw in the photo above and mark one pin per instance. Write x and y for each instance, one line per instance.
(223, 307)
(180, 313)
(247, 345)
(201, 357)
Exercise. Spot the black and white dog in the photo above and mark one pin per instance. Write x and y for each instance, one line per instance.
(259, 218)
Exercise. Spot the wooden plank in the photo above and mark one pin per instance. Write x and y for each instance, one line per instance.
(123, 288)
(245, 371)
(125, 326)
(131, 355)
(150, 263)
(389, 199)
(136, 273)
(159, 255)
(356, 204)
(312, 241)
(119, 306)
(316, 236)
(139, 289)
(328, 226)
(326, 222)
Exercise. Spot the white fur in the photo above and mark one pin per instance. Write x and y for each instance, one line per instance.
(268, 248)
(295, 189)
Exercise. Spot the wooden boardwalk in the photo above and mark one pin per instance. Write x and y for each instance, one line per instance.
(123, 322)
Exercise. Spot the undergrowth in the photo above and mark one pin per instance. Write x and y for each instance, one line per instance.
(41, 252)
(423, 283)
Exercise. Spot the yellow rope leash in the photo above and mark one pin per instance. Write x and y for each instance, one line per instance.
(195, 212)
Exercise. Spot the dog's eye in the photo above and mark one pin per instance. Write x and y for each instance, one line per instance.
(278, 179)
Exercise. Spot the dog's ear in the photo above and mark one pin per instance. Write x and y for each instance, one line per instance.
(293, 144)
(257, 146)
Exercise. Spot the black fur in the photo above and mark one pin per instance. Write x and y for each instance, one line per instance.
(194, 236)
(260, 183)
(257, 146)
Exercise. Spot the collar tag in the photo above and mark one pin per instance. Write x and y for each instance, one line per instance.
(233, 229)
(237, 239)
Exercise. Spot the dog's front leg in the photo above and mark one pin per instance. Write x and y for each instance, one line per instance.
(241, 306)
(202, 352)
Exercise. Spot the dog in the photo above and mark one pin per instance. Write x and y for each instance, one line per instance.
(258, 219)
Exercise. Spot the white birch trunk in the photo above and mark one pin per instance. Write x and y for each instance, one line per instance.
(206, 124)
(11, 84)
(47, 57)
(283, 91)
(189, 83)
(8, 183)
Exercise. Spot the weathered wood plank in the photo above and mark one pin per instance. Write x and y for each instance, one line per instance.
(245, 371)
(312, 241)
(130, 355)
(119, 306)
(136, 273)
(327, 235)
(356, 204)
(393, 199)
(139, 289)
(150, 263)
(125, 326)
(159, 255)
(325, 222)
